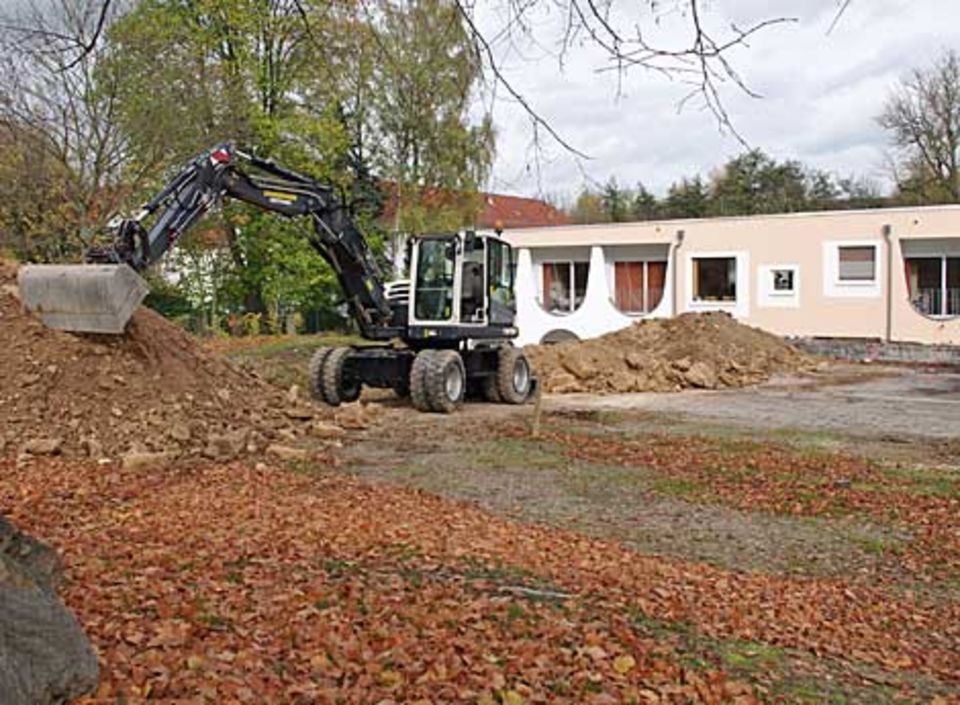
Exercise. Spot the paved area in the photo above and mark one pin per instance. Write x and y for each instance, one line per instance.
(868, 401)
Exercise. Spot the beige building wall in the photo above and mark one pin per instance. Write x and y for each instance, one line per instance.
(806, 243)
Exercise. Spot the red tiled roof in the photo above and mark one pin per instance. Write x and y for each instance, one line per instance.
(496, 210)
(518, 212)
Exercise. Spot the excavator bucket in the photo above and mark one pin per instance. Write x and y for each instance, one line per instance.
(83, 298)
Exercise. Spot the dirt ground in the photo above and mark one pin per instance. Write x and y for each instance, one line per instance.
(860, 400)
(754, 545)
(850, 476)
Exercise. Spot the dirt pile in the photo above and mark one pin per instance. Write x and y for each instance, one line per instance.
(700, 350)
(149, 396)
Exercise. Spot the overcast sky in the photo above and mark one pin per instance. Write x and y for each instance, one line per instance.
(820, 96)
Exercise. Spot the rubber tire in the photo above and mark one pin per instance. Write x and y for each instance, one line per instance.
(418, 380)
(507, 358)
(491, 388)
(440, 364)
(334, 391)
(315, 372)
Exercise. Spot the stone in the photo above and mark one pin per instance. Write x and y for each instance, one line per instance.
(637, 360)
(179, 432)
(287, 433)
(287, 452)
(93, 447)
(45, 657)
(352, 416)
(138, 460)
(293, 394)
(573, 363)
(227, 445)
(300, 413)
(701, 375)
(43, 446)
(322, 429)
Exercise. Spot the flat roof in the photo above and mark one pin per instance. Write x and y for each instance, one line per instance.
(665, 230)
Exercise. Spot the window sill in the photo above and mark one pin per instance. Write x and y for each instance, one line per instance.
(558, 314)
(936, 317)
(856, 283)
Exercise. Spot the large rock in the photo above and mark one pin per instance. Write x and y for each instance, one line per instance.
(44, 655)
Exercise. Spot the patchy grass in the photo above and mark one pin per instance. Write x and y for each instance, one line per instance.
(281, 360)
(937, 482)
(677, 487)
(784, 675)
(916, 503)
(519, 452)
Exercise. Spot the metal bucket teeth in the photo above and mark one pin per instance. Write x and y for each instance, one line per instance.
(84, 298)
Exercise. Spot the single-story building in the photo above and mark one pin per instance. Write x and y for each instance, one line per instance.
(884, 274)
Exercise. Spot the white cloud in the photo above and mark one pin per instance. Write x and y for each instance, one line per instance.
(821, 95)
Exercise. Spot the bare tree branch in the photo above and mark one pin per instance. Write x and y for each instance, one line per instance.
(493, 65)
(844, 4)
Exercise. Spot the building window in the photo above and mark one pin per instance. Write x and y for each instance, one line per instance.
(778, 285)
(783, 282)
(934, 285)
(715, 279)
(857, 263)
(564, 285)
(638, 286)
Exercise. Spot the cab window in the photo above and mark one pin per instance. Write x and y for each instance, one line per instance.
(434, 286)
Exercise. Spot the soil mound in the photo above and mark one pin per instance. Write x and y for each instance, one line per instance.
(150, 395)
(701, 350)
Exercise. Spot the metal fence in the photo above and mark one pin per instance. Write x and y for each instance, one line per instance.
(930, 301)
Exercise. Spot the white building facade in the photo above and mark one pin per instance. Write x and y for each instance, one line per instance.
(884, 274)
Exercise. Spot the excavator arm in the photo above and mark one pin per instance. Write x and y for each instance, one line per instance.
(100, 297)
(226, 172)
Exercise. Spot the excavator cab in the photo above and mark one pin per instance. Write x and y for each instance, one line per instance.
(462, 286)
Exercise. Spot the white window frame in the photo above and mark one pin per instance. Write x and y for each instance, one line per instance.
(768, 295)
(573, 279)
(740, 307)
(835, 287)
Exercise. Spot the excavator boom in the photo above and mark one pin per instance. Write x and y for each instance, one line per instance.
(100, 297)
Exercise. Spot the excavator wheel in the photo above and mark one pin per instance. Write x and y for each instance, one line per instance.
(418, 380)
(337, 390)
(315, 372)
(446, 381)
(491, 389)
(514, 378)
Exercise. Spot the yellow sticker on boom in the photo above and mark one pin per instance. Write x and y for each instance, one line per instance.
(280, 196)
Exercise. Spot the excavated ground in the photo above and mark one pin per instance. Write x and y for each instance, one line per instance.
(150, 395)
(694, 350)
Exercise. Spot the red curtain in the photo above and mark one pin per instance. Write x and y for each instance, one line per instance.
(656, 279)
(547, 284)
(628, 286)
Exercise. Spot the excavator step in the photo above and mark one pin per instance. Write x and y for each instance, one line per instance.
(83, 298)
